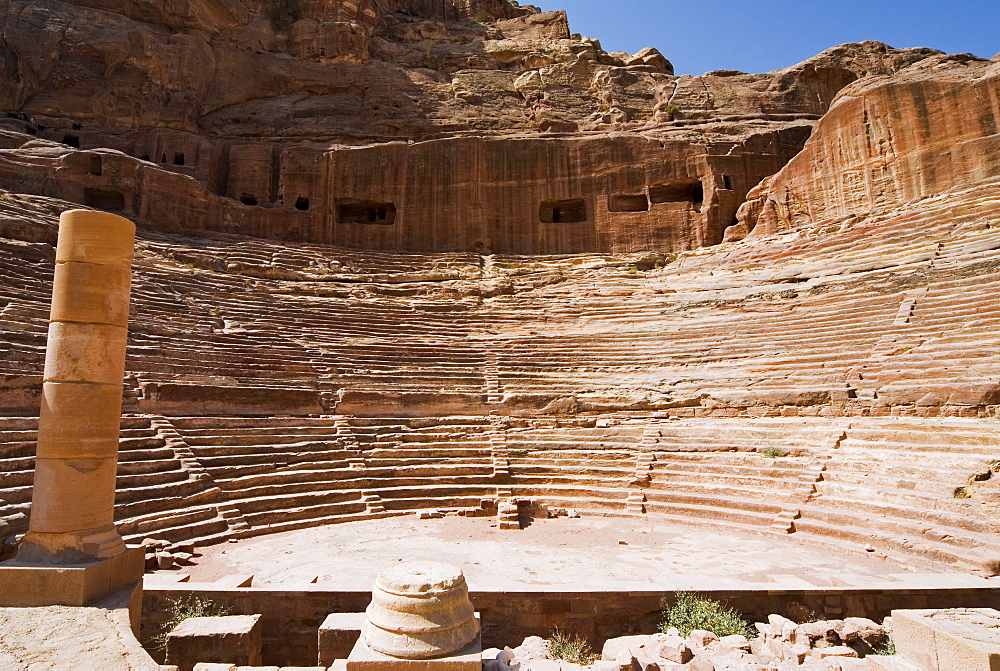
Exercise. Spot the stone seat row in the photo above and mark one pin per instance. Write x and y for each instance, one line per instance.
(899, 495)
(304, 255)
(730, 487)
(147, 470)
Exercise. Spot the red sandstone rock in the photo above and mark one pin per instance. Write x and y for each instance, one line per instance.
(247, 117)
(848, 322)
(886, 142)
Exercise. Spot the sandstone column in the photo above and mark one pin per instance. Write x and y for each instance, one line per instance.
(72, 504)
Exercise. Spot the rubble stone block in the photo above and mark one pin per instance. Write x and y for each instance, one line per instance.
(958, 639)
(232, 639)
(337, 636)
(363, 658)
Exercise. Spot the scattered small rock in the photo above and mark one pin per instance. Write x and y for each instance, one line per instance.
(825, 645)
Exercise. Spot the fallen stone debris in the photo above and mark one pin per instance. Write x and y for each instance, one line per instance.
(783, 645)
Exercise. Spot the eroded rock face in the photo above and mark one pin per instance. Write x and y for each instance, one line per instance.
(537, 140)
(888, 141)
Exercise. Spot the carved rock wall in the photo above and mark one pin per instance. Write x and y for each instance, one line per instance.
(888, 141)
(551, 196)
(287, 119)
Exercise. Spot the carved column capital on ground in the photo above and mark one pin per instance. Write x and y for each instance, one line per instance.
(420, 610)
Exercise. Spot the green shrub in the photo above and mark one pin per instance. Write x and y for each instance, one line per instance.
(886, 647)
(182, 609)
(772, 452)
(961, 493)
(571, 648)
(691, 611)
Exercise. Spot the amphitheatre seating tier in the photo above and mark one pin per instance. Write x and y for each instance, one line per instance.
(233, 448)
(715, 470)
(817, 378)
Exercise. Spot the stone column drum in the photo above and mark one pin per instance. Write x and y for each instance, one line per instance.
(72, 503)
(420, 610)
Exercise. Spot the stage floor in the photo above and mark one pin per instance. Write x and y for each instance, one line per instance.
(563, 554)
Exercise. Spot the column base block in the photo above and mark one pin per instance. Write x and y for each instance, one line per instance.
(24, 584)
(363, 658)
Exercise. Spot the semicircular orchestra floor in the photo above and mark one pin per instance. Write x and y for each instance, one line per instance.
(581, 554)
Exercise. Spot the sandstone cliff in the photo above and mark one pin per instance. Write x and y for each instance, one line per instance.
(304, 120)
(888, 141)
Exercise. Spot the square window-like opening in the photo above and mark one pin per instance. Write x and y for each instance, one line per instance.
(629, 203)
(365, 212)
(71, 141)
(563, 211)
(179, 158)
(103, 199)
(690, 192)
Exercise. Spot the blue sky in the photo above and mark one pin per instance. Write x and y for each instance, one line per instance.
(764, 35)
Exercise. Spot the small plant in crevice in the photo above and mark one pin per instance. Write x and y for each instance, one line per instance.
(572, 649)
(692, 611)
(654, 261)
(886, 647)
(961, 493)
(670, 110)
(772, 452)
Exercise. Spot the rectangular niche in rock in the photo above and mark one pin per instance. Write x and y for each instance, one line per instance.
(690, 192)
(365, 212)
(563, 211)
(102, 199)
(629, 203)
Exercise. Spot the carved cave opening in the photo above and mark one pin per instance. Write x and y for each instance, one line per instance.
(685, 192)
(71, 141)
(247, 199)
(11, 64)
(179, 158)
(563, 211)
(104, 199)
(629, 203)
(365, 212)
(95, 166)
(302, 204)
(727, 182)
